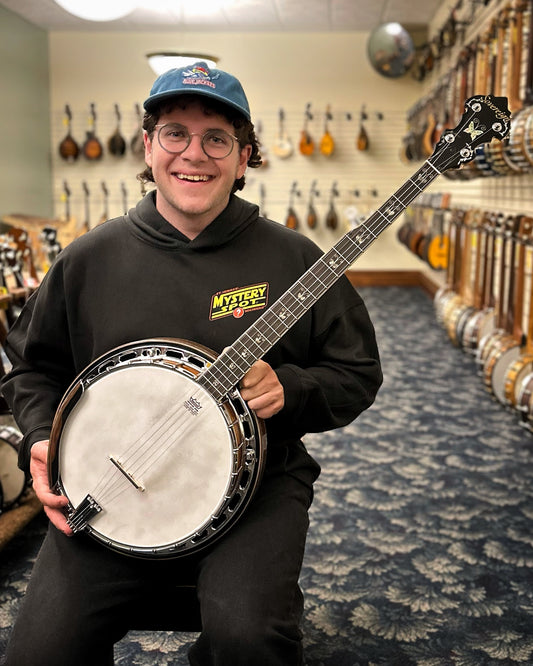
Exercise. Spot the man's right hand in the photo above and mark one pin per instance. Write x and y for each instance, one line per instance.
(54, 505)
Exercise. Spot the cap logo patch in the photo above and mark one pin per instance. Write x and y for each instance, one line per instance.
(199, 76)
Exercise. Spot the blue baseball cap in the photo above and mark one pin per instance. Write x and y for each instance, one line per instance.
(198, 79)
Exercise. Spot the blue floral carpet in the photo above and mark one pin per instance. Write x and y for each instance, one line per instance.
(420, 550)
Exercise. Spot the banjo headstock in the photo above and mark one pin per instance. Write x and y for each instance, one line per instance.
(485, 118)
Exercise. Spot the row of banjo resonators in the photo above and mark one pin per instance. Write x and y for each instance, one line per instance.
(486, 304)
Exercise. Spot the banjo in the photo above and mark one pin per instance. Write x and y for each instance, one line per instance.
(174, 474)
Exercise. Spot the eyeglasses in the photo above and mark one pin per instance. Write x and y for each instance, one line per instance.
(176, 138)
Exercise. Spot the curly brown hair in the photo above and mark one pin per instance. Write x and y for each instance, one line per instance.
(244, 129)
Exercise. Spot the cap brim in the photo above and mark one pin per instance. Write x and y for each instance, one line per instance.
(156, 99)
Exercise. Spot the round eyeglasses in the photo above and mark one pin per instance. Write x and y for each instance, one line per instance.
(176, 138)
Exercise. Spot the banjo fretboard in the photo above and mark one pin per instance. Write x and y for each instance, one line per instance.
(452, 150)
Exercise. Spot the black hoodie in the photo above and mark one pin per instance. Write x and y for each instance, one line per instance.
(136, 277)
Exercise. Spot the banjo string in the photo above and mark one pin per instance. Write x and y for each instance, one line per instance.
(158, 439)
(113, 483)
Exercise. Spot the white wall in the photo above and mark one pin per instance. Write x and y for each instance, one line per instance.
(277, 70)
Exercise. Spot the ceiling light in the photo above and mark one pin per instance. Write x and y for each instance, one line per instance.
(162, 61)
(98, 10)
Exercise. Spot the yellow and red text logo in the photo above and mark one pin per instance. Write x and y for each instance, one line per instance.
(238, 301)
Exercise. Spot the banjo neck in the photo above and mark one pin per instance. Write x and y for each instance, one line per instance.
(231, 366)
(234, 362)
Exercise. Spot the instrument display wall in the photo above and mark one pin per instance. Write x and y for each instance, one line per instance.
(478, 22)
(355, 181)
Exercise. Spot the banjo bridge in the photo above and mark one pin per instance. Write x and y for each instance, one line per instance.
(80, 516)
(127, 474)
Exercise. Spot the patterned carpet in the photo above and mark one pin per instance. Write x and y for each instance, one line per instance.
(421, 543)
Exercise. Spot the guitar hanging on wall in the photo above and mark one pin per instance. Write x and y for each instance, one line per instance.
(195, 444)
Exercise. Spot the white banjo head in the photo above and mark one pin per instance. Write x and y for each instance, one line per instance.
(165, 464)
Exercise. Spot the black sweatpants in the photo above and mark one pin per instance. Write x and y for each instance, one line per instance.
(82, 597)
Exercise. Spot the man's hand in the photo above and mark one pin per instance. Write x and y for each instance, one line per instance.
(54, 505)
(261, 389)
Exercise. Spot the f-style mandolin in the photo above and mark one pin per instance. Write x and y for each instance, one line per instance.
(68, 148)
(312, 217)
(327, 142)
(307, 144)
(92, 148)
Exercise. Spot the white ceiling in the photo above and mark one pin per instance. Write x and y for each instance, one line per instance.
(238, 15)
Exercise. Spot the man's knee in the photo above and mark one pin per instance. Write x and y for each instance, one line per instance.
(253, 639)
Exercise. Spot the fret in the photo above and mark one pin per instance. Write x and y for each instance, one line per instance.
(216, 387)
(242, 354)
(303, 292)
(284, 315)
(437, 172)
(262, 325)
(224, 364)
(258, 340)
(299, 301)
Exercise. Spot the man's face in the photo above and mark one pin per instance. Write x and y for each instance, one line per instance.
(192, 188)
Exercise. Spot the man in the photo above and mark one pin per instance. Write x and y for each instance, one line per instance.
(177, 266)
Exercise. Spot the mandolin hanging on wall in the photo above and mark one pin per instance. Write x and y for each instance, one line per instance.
(332, 219)
(137, 141)
(363, 142)
(68, 148)
(307, 145)
(116, 144)
(92, 148)
(327, 143)
(312, 217)
(292, 221)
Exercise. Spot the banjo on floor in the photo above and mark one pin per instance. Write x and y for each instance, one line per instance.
(174, 474)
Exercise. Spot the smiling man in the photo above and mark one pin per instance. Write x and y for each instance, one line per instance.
(190, 262)
(195, 160)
